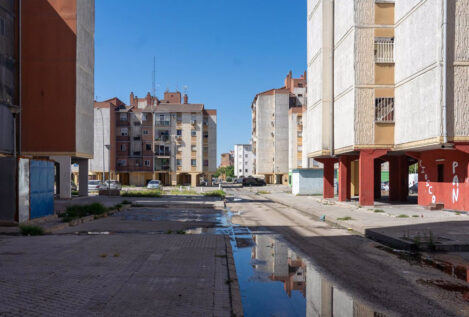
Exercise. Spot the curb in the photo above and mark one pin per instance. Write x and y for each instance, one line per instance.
(236, 304)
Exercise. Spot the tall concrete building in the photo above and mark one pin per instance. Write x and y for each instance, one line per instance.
(57, 85)
(270, 128)
(243, 160)
(295, 138)
(382, 92)
(168, 140)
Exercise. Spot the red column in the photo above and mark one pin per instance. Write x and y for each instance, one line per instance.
(367, 174)
(328, 176)
(398, 178)
(344, 178)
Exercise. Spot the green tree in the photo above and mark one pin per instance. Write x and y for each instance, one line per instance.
(229, 171)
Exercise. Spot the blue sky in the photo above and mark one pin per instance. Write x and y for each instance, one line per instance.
(225, 52)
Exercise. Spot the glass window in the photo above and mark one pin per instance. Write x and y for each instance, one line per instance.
(206, 134)
(144, 117)
(148, 146)
(193, 162)
(145, 132)
(300, 148)
(205, 162)
(179, 132)
(124, 132)
(147, 163)
(194, 148)
(193, 133)
(123, 147)
(122, 163)
(123, 116)
(179, 162)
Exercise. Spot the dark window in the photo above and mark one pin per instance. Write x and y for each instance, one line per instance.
(148, 147)
(178, 132)
(441, 176)
(2, 26)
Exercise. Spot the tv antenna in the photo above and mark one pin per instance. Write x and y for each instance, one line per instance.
(185, 89)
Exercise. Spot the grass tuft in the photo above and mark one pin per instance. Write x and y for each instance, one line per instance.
(142, 193)
(378, 210)
(263, 192)
(183, 192)
(79, 211)
(126, 202)
(403, 216)
(216, 193)
(31, 230)
(345, 218)
(415, 216)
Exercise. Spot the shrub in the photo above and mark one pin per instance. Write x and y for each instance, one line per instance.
(75, 192)
(183, 192)
(216, 193)
(126, 202)
(79, 211)
(345, 218)
(142, 193)
(402, 216)
(30, 230)
(263, 192)
(379, 210)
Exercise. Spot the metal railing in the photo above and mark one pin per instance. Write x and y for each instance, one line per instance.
(384, 110)
(163, 138)
(384, 51)
(162, 152)
(159, 123)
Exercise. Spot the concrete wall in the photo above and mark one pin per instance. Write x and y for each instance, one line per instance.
(265, 140)
(96, 164)
(85, 77)
(281, 133)
(418, 75)
(307, 181)
(212, 143)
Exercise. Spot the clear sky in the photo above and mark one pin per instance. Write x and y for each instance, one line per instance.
(225, 52)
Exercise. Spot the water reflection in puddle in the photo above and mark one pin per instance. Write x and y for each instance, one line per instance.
(275, 280)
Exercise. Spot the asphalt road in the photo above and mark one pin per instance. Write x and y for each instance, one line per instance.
(393, 286)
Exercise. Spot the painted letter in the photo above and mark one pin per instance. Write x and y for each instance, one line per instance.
(455, 164)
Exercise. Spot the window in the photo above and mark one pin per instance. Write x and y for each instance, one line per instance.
(123, 147)
(246, 170)
(300, 134)
(300, 148)
(161, 117)
(121, 162)
(245, 155)
(384, 50)
(179, 148)
(240, 170)
(124, 132)
(205, 134)
(179, 132)
(441, 176)
(148, 146)
(193, 162)
(298, 163)
(205, 162)
(193, 116)
(300, 95)
(123, 116)
(178, 162)
(144, 117)
(300, 85)
(384, 109)
(205, 148)
(147, 162)
(193, 133)
(145, 132)
(194, 148)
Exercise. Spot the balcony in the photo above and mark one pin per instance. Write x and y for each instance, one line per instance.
(384, 50)
(137, 123)
(163, 152)
(160, 123)
(162, 138)
(137, 138)
(137, 153)
(384, 110)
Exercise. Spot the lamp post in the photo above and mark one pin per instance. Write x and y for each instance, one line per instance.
(102, 125)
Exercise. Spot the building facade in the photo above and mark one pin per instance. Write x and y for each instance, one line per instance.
(167, 140)
(243, 160)
(57, 104)
(227, 159)
(295, 138)
(382, 92)
(270, 135)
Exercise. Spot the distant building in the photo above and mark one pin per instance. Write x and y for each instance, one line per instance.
(270, 128)
(243, 160)
(167, 140)
(295, 137)
(227, 159)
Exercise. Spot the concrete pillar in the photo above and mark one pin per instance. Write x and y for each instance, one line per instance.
(65, 176)
(367, 175)
(377, 179)
(83, 177)
(328, 176)
(344, 178)
(209, 179)
(194, 181)
(173, 178)
(398, 178)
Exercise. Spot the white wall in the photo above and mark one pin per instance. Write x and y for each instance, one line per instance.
(243, 160)
(96, 164)
(281, 133)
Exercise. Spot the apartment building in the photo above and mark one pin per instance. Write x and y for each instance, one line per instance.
(385, 92)
(243, 160)
(227, 159)
(167, 140)
(269, 111)
(295, 138)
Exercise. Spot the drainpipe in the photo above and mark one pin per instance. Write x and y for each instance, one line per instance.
(445, 70)
(331, 107)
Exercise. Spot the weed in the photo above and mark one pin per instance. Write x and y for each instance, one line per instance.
(378, 210)
(216, 193)
(220, 255)
(345, 218)
(75, 192)
(103, 255)
(169, 232)
(263, 192)
(126, 202)
(142, 193)
(403, 216)
(457, 213)
(228, 281)
(118, 206)
(180, 232)
(79, 211)
(116, 255)
(415, 216)
(30, 230)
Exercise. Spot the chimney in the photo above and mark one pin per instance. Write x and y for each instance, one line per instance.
(132, 98)
(148, 99)
(186, 99)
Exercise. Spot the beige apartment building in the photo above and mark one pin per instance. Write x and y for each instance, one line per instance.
(386, 84)
(270, 128)
(168, 140)
(295, 138)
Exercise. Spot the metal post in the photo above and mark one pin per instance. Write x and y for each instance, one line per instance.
(102, 125)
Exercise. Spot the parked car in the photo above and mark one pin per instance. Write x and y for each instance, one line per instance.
(112, 185)
(385, 186)
(414, 189)
(203, 182)
(238, 180)
(252, 181)
(215, 181)
(73, 186)
(154, 184)
(94, 185)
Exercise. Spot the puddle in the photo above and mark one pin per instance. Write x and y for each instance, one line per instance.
(276, 280)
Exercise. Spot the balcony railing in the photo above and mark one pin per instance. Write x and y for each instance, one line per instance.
(159, 123)
(137, 138)
(384, 51)
(164, 138)
(384, 110)
(162, 168)
(137, 123)
(163, 153)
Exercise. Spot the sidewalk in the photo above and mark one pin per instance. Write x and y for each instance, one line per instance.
(399, 226)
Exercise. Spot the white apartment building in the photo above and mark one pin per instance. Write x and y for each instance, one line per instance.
(270, 128)
(243, 160)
